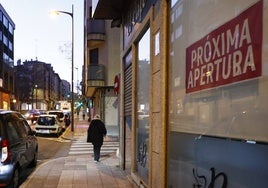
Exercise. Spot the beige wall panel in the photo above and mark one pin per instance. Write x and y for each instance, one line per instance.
(156, 92)
(156, 171)
(109, 53)
(156, 64)
(156, 130)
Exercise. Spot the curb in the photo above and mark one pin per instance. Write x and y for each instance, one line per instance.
(25, 183)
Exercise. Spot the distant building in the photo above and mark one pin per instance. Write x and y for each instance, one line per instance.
(65, 90)
(30, 84)
(7, 28)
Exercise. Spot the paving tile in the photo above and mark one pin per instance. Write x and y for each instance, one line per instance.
(64, 186)
(79, 171)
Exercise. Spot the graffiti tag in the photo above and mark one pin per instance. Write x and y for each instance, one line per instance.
(201, 180)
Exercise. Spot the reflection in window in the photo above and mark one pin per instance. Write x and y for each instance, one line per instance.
(5, 21)
(12, 132)
(143, 73)
(46, 121)
(11, 29)
(10, 45)
(5, 40)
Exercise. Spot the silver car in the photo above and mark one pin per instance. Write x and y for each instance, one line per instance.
(18, 147)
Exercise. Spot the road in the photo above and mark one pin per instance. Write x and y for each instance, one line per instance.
(49, 148)
(52, 147)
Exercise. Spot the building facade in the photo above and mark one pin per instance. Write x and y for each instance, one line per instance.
(7, 27)
(193, 88)
(30, 84)
(37, 86)
(102, 65)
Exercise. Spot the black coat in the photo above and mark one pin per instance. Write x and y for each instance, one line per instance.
(96, 131)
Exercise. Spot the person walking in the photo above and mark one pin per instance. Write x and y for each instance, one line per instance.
(84, 114)
(95, 133)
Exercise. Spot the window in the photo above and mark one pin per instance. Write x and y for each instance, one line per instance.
(46, 120)
(94, 56)
(12, 132)
(10, 45)
(5, 21)
(5, 40)
(21, 129)
(11, 29)
(143, 84)
(27, 128)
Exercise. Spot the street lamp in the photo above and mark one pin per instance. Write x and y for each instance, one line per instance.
(35, 96)
(56, 12)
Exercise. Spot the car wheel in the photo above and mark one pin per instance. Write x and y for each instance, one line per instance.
(15, 179)
(34, 161)
(58, 133)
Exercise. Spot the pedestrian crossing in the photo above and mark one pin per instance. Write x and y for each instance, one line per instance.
(80, 148)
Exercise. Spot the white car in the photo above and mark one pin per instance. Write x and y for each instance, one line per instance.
(47, 124)
(142, 115)
(60, 116)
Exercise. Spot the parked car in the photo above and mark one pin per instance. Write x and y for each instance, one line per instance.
(143, 115)
(60, 116)
(47, 124)
(67, 120)
(18, 148)
(32, 115)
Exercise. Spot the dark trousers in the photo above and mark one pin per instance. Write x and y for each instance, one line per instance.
(96, 149)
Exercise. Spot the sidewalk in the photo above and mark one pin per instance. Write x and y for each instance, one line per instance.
(79, 171)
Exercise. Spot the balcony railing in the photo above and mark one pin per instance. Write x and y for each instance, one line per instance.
(96, 26)
(96, 75)
(95, 30)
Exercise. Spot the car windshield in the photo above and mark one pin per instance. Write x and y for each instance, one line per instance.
(46, 120)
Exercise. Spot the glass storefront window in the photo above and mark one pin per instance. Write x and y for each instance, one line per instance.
(218, 94)
(217, 73)
(143, 75)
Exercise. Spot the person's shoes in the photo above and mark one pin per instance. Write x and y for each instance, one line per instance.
(96, 161)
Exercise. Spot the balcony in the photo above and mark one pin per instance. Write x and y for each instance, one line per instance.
(96, 78)
(95, 32)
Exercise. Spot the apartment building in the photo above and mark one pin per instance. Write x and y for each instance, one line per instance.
(7, 28)
(34, 84)
(102, 65)
(37, 86)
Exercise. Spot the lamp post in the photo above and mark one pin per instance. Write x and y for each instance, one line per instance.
(35, 96)
(72, 79)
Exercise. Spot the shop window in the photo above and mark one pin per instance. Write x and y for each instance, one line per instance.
(143, 79)
(218, 117)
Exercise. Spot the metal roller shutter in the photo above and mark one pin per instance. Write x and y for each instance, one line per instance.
(128, 90)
